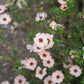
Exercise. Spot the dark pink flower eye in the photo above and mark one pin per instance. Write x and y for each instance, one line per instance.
(48, 62)
(40, 40)
(40, 72)
(48, 41)
(44, 55)
(4, 19)
(58, 77)
(31, 63)
(20, 81)
(75, 71)
(49, 82)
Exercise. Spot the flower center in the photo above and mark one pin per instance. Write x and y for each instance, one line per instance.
(68, 63)
(64, 8)
(64, 0)
(58, 77)
(49, 82)
(20, 81)
(31, 63)
(40, 40)
(75, 70)
(48, 62)
(44, 55)
(38, 47)
(41, 17)
(4, 19)
(0, 8)
(48, 41)
(40, 72)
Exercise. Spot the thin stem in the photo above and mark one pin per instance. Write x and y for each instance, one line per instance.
(70, 44)
(81, 34)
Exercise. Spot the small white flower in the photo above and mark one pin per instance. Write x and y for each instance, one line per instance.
(83, 48)
(30, 63)
(73, 56)
(5, 82)
(29, 47)
(54, 25)
(20, 79)
(2, 8)
(48, 80)
(19, 3)
(44, 55)
(62, 1)
(63, 7)
(5, 19)
(40, 40)
(40, 73)
(36, 48)
(75, 70)
(48, 63)
(22, 61)
(40, 16)
(57, 76)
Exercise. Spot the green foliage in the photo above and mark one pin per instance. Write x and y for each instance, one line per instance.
(16, 59)
(31, 36)
(4, 57)
(70, 3)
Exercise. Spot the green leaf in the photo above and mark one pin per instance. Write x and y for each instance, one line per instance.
(16, 59)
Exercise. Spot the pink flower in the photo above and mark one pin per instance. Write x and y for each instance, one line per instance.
(75, 70)
(30, 63)
(73, 56)
(48, 63)
(40, 16)
(2, 8)
(19, 3)
(63, 7)
(57, 76)
(36, 48)
(83, 16)
(20, 79)
(48, 80)
(50, 41)
(40, 40)
(53, 25)
(5, 19)
(62, 1)
(29, 47)
(69, 63)
(40, 73)
(44, 55)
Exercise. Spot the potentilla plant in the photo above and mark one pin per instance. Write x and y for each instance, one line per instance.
(54, 46)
